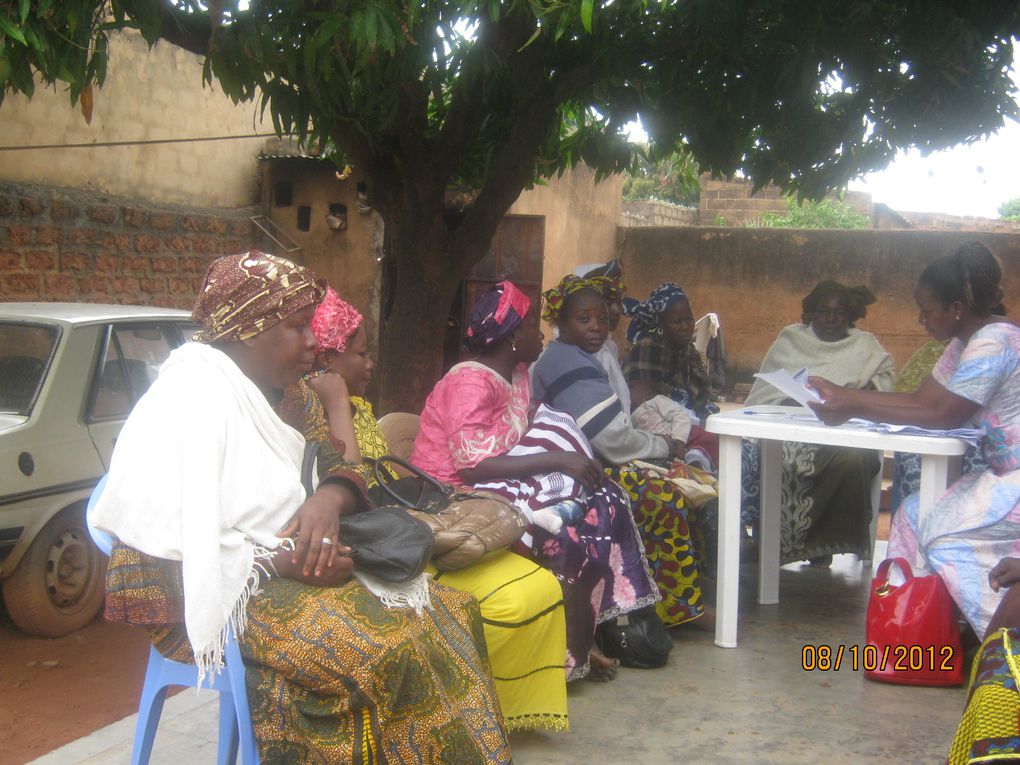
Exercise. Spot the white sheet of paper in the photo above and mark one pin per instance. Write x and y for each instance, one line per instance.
(793, 385)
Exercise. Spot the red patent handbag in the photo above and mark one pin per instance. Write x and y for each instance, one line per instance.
(912, 634)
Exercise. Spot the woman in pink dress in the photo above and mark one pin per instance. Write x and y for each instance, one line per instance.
(476, 430)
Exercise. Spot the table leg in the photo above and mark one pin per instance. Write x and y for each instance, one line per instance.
(934, 479)
(770, 521)
(728, 564)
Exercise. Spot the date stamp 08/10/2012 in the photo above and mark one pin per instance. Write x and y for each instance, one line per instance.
(871, 658)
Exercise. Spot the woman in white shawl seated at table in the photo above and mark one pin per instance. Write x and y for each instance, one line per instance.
(215, 534)
(826, 489)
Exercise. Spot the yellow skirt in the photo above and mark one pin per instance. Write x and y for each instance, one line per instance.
(525, 633)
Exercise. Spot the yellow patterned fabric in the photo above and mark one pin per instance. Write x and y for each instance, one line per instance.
(335, 676)
(371, 685)
(662, 515)
(521, 602)
(990, 728)
(371, 441)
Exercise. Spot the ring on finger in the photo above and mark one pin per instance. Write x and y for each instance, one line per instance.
(327, 541)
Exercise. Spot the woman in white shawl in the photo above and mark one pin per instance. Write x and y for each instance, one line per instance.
(826, 490)
(214, 532)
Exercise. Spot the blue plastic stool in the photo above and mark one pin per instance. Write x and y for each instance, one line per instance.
(235, 716)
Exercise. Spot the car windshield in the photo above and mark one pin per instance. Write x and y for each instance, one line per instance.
(25, 351)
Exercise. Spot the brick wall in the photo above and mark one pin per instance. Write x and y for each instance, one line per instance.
(657, 214)
(66, 245)
(731, 202)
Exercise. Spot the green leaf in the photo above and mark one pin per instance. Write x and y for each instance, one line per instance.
(587, 9)
(26, 5)
(12, 31)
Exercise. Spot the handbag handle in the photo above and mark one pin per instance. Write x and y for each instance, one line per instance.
(308, 466)
(382, 479)
(882, 575)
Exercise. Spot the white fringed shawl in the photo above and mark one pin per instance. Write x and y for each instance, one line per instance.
(204, 472)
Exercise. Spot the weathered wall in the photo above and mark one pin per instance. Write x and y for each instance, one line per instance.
(648, 213)
(580, 220)
(68, 245)
(346, 258)
(149, 94)
(755, 278)
(731, 202)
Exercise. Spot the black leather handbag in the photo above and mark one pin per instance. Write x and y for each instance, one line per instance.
(418, 491)
(638, 639)
(385, 541)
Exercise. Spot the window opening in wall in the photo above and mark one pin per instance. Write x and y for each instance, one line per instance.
(283, 194)
(304, 218)
(337, 218)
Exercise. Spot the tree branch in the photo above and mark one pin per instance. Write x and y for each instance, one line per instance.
(160, 20)
(464, 117)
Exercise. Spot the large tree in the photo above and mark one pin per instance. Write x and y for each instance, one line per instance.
(425, 95)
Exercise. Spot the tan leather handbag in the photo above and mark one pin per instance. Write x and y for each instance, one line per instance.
(465, 527)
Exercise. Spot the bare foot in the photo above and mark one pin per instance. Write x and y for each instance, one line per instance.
(603, 669)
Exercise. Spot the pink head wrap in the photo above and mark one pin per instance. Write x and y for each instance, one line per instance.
(334, 323)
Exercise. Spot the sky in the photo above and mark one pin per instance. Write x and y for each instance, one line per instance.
(965, 180)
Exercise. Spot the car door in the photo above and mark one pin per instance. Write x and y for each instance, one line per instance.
(128, 364)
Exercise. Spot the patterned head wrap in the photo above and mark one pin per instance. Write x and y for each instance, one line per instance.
(556, 297)
(335, 322)
(645, 316)
(857, 298)
(495, 315)
(243, 295)
(612, 273)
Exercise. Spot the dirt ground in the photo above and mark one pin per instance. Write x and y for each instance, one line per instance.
(55, 691)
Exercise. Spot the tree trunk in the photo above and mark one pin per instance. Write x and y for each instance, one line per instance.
(411, 344)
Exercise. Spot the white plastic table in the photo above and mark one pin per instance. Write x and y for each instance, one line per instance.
(773, 425)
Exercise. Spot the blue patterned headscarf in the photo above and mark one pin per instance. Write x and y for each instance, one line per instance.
(645, 316)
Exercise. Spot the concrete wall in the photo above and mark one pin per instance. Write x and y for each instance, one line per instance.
(149, 94)
(755, 278)
(76, 246)
(581, 217)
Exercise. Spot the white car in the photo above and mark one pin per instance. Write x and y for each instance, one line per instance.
(69, 375)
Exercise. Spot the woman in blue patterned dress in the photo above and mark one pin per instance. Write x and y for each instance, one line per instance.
(977, 381)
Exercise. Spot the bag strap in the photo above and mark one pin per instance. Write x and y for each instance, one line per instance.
(308, 466)
(383, 479)
(882, 575)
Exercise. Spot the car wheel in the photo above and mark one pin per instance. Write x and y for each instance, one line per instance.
(59, 584)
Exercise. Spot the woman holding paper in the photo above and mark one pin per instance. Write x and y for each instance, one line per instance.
(826, 489)
(977, 381)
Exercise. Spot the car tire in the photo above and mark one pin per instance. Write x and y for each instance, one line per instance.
(59, 584)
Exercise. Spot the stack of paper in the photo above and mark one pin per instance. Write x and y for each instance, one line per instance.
(972, 436)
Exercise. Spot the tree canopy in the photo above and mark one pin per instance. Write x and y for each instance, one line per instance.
(422, 95)
(1010, 209)
(673, 179)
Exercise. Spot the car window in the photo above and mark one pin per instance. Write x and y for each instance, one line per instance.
(25, 351)
(132, 361)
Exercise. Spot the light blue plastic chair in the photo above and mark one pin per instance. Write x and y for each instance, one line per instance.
(235, 716)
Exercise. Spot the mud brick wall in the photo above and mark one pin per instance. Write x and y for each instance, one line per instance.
(74, 246)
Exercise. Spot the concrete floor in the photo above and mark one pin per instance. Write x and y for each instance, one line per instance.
(753, 704)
